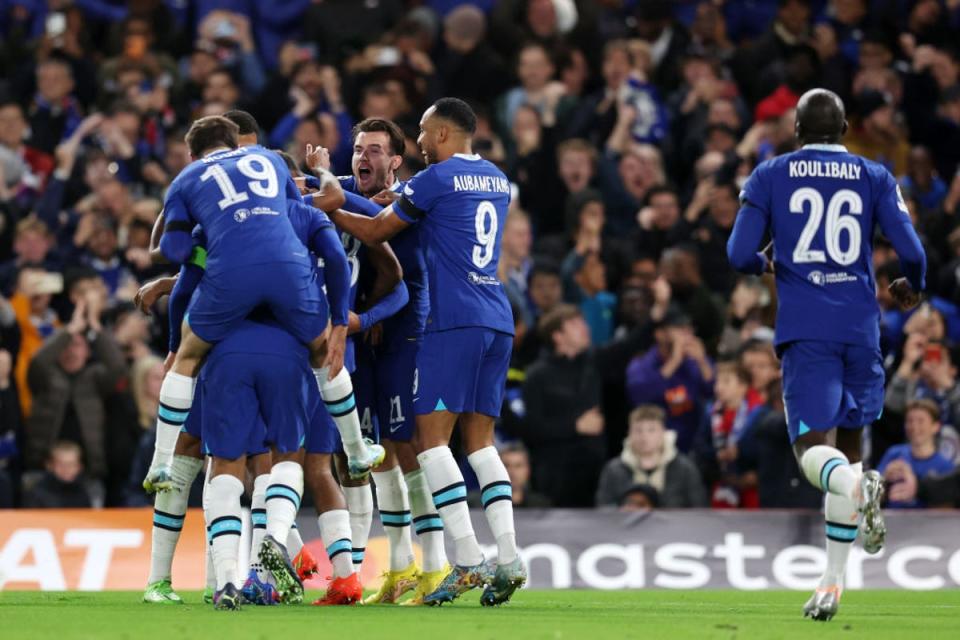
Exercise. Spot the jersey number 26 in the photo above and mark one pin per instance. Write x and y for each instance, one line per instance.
(835, 225)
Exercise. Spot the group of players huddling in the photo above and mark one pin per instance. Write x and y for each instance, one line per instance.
(437, 337)
(260, 361)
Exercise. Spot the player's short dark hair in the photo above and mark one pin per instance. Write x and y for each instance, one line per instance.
(211, 132)
(247, 123)
(290, 162)
(394, 133)
(925, 404)
(458, 112)
(553, 321)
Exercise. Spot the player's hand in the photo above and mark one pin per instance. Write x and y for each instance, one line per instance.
(768, 254)
(168, 362)
(336, 347)
(374, 335)
(149, 293)
(317, 158)
(904, 294)
(590, 423)
(353, 324)
(386, 198)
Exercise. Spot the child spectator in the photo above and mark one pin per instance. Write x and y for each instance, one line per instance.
(919, 453)
(589, 291)
(62, 485)
(730, 417)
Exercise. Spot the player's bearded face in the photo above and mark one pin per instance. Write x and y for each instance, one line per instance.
(372, 161)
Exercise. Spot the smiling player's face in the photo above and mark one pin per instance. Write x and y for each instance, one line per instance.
(429, 137)
(372, 161)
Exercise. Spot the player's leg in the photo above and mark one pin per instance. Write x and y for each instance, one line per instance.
(210, 572)
(224, 514)
(302, 308)
(169, 510)
(283, 495)
(335, 531)
(496, 491)
(815, 402)
(334, 519)
(440, 399)
(176, 397)
(358, 495)
(426, 522)
(284, 389)
(230, 418)
(257, 588)
(394, 506)
(338, 396)
(397, 382)
(864, 381)
(394, 380)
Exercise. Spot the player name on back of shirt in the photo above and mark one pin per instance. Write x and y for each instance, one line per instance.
(824, 169)
(493, 184)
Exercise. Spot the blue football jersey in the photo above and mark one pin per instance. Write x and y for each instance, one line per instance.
(821, 206)
(461, 205)
(240, 197)
(408, 323)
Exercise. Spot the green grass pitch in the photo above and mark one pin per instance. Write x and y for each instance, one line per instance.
(551, 615)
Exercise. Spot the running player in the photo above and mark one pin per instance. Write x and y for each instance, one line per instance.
(460, 202)
(821, 205)
(402, 493)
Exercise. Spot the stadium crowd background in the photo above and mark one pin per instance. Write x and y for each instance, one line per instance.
(627, 128)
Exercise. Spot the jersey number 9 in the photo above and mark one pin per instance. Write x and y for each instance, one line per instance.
(835, 225)
(263, 180)
(486, 234)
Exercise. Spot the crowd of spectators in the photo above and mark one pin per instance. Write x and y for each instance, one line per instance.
(643, 374)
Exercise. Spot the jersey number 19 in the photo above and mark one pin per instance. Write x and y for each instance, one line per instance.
(263, 180)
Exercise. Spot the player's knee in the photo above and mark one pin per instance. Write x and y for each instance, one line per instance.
(806, 442)
(188, 445)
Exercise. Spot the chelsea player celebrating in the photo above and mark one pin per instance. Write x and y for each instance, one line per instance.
(460, 202)
(821, 205)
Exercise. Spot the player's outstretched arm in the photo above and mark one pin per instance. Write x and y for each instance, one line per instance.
(187, 281)
(387, 269)
(370, 231)
(745, 239)
(326, 244)
(388, 305)
(149, 293)
(894, 219)
(156, 256)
